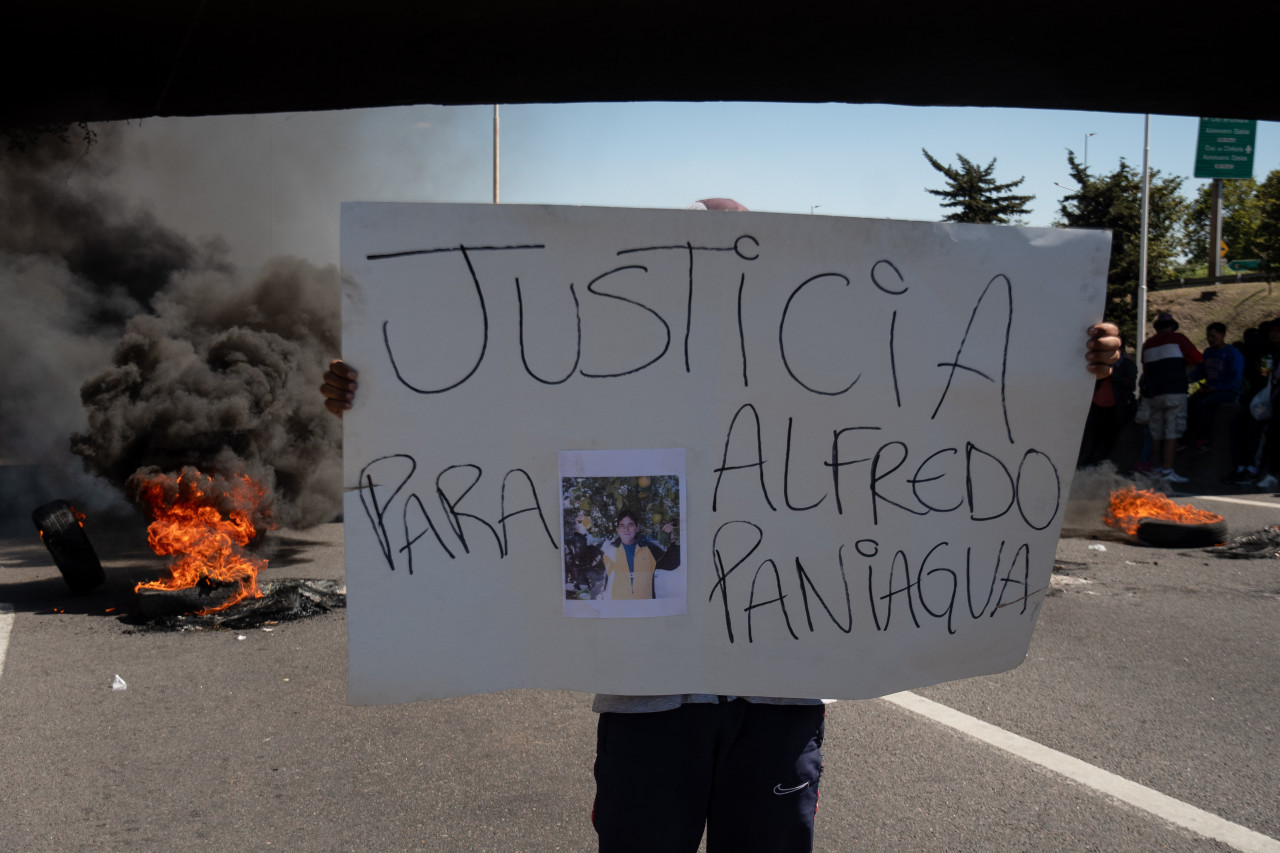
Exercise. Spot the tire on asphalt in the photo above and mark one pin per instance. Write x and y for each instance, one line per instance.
(69, 546)
(1173, 534)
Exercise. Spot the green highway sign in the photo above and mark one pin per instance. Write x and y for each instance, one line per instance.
(1224, 148)
(1241, 266)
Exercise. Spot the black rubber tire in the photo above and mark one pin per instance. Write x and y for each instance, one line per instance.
(69, 546)
(177, 602)
(1174, 534)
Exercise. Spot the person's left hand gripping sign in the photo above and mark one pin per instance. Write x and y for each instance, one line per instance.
(1103, 351)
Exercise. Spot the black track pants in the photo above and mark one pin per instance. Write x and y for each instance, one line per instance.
(747, 772)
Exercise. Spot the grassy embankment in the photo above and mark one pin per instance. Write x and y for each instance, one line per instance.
(1238, 305)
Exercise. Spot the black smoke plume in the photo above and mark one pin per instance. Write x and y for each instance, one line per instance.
(139, 348)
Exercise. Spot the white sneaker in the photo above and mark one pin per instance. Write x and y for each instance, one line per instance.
(1268, 482)
(1173, 476)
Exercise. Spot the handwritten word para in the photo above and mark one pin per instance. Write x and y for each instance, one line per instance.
(383, 481)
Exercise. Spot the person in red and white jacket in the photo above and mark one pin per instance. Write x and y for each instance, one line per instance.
(1166, 357)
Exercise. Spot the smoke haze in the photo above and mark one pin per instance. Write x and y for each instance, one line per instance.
(271, 184)
(182, 360)
(224, 375)
(1091, 490)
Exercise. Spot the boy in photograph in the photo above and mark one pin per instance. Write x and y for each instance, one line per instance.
(630, 560)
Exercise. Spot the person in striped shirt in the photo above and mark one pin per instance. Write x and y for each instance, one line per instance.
(1166, 357)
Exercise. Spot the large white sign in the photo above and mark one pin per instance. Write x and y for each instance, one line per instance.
(649, 452)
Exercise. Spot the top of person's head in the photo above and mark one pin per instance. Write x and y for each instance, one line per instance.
(716, 204)
(1220, 328)
(1165, 321)
(627, 512)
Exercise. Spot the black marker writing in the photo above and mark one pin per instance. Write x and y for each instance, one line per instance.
(780, 599)
(956, 364)
(941, 480)
(923, 588)
(782, 326)
(758, 464)
(692, 249)
(722, 574)
(591, 288)
(465, 252)
(451, 488)
(577, 313)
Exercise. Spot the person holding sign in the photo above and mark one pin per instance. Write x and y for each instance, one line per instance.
(1167, 358)
(744, 770)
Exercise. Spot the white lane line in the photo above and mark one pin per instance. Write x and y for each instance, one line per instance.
(1139, 796)
(6, 622)
(1235, 501)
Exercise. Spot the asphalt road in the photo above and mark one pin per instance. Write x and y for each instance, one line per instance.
(1159, 666)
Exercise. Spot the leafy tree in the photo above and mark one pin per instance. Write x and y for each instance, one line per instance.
(594, 502)
(1114, 202)
(976, 193)
(1267, 237)
(1241, 215)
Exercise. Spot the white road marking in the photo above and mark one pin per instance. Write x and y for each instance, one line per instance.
(1235, 501)
(6, 622)
(1177, 812)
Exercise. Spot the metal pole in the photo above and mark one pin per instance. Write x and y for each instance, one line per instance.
(1142, 244)
(1215, 230)
(495, 153)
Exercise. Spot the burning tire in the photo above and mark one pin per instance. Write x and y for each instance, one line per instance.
(69, 546)
(1156, 520)
(1177, 534)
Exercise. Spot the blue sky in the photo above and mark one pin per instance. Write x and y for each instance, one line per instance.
(271, 184)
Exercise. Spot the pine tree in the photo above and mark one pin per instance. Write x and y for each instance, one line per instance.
(976, 193)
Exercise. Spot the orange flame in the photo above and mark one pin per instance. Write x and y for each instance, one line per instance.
(1129, 506)
(208, 545)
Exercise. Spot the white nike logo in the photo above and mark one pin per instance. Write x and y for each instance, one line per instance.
(779, 790)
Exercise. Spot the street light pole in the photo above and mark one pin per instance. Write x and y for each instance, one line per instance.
(1086, 148)
(1142, 242)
